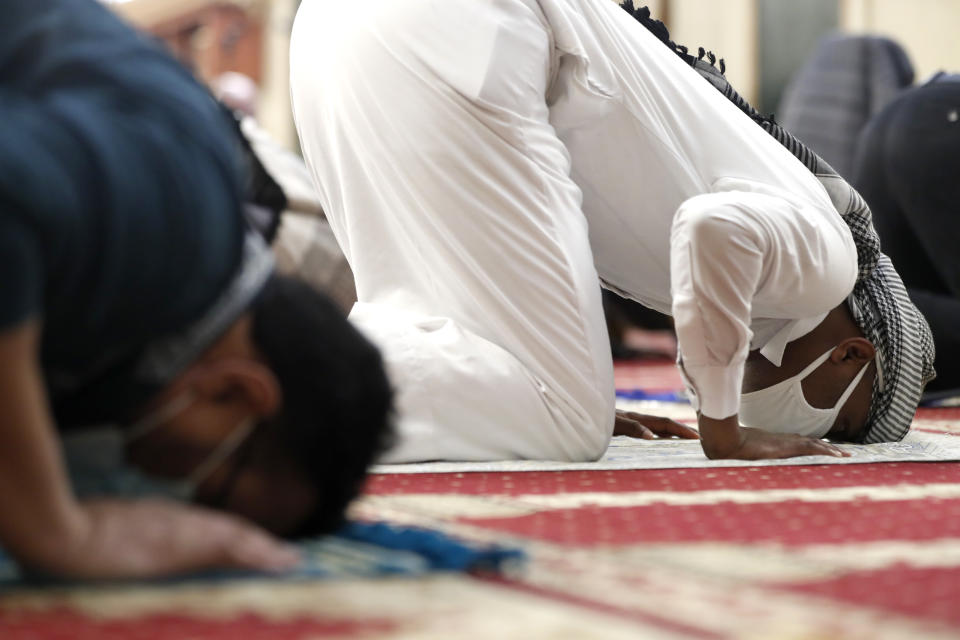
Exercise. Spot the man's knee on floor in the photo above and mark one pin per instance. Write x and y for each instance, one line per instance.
(588, 422)
(463, 397)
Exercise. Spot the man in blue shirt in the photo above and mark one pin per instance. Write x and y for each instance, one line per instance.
(131, 291)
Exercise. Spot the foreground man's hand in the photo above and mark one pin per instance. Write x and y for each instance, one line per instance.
(147, 538)
(727, 439)
(639, 425)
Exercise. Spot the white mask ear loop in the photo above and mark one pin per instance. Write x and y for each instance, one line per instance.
(150, 422)
(223, 451)
(853, 385)
(850, 388)
(810, 368)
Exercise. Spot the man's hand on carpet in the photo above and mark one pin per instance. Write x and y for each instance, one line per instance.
(150, 538)
(639, 425)
(727, 439)
(759, 445)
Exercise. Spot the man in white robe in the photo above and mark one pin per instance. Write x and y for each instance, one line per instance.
(485, 164)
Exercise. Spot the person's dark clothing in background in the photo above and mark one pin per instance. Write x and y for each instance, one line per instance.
(112, 230)
(908, 170)
(844, 83)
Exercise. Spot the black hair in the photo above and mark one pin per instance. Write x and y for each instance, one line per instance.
(337, 409)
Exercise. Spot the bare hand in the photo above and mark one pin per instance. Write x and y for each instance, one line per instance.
(756, 444)
(639, 425)
(725, 438)
(151, 538)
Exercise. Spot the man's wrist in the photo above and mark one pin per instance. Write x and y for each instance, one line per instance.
(716, 387)
(720, 438)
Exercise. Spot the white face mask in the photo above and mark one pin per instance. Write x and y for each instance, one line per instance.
(185, 488)
(97, 464)
(783, 408)
(97, 467)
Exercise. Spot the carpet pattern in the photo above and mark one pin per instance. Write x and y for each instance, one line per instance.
(809, 551)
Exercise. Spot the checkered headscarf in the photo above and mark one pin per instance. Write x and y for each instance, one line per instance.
(879, 302)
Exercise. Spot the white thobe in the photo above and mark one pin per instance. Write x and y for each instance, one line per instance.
(484, 162)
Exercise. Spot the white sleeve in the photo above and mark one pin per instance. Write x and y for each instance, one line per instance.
(737, 255)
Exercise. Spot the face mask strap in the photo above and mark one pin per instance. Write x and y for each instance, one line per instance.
(850, 388)
(223, 451)
(151, 422)
(243, 453)
(810, 368)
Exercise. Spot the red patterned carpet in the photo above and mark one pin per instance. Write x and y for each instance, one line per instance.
(655, 375)
(832, 552)
(852, 551)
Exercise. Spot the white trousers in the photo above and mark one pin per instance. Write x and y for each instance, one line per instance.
(460, 148)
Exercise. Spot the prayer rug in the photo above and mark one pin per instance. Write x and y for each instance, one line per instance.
(655, 387)
(930, 440)
(759, 552)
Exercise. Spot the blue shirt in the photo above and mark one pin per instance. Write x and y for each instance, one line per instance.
(120, 214)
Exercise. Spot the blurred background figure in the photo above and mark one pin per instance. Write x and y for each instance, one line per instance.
(304, 244)
(907, 169)
(846, 81)
(238, 91)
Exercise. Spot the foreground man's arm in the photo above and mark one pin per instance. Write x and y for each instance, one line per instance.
(105, 142)
(44, 527)
(733, 253)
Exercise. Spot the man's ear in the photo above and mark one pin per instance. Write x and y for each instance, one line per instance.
(239, 380)
(857, 350)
